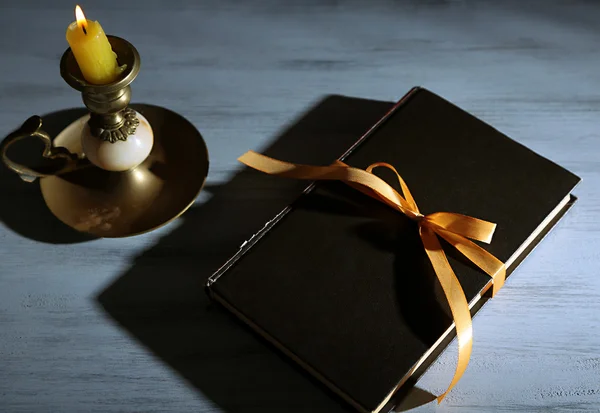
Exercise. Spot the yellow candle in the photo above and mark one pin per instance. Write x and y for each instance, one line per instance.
(94, 55)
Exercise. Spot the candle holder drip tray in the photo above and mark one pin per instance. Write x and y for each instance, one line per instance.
(106, 187)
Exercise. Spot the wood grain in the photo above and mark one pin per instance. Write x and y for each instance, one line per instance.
(124, 326)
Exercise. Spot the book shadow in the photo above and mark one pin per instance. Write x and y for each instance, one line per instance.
(422, 303)
(23, 209)
(160, 299)
(418, 291)
(420, 298)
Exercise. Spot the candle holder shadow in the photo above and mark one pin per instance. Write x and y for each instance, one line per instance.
(107, 203)
(160, 299)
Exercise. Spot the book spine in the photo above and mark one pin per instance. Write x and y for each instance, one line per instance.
(246, 245)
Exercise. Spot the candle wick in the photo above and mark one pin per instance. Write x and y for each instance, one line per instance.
(84, 30)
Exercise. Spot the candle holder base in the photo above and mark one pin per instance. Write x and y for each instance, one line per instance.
(120, 204)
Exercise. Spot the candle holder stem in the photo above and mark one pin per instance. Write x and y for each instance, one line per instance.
(113, 141)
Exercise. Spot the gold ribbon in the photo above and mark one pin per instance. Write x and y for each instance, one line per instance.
(454, 228)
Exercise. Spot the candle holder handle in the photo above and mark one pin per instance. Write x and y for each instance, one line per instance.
(33, 128)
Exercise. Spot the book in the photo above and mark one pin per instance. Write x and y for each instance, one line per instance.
(341, 283)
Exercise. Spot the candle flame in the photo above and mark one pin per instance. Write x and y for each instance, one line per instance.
(81, 20)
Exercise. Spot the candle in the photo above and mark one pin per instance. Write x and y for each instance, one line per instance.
(94, 55)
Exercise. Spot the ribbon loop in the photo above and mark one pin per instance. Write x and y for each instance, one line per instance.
(407, 195)
(466, 226)
(454, 228)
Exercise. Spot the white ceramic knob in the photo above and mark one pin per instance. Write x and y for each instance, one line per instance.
(120, 155)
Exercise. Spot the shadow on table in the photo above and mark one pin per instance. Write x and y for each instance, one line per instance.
(23, 209)
(161, 301)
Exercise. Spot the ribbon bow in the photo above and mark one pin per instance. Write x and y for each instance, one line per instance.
(454, 228)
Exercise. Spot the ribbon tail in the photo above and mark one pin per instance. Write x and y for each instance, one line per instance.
(366, 182)
(456, 300)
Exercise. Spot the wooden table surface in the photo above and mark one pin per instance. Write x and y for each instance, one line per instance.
(124, 325)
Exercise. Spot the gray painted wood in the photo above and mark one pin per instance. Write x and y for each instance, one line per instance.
(242, 72)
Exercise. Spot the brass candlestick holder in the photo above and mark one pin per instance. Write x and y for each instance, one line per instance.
(126, 169)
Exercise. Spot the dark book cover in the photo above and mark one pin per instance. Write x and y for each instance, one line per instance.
(341, 282)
